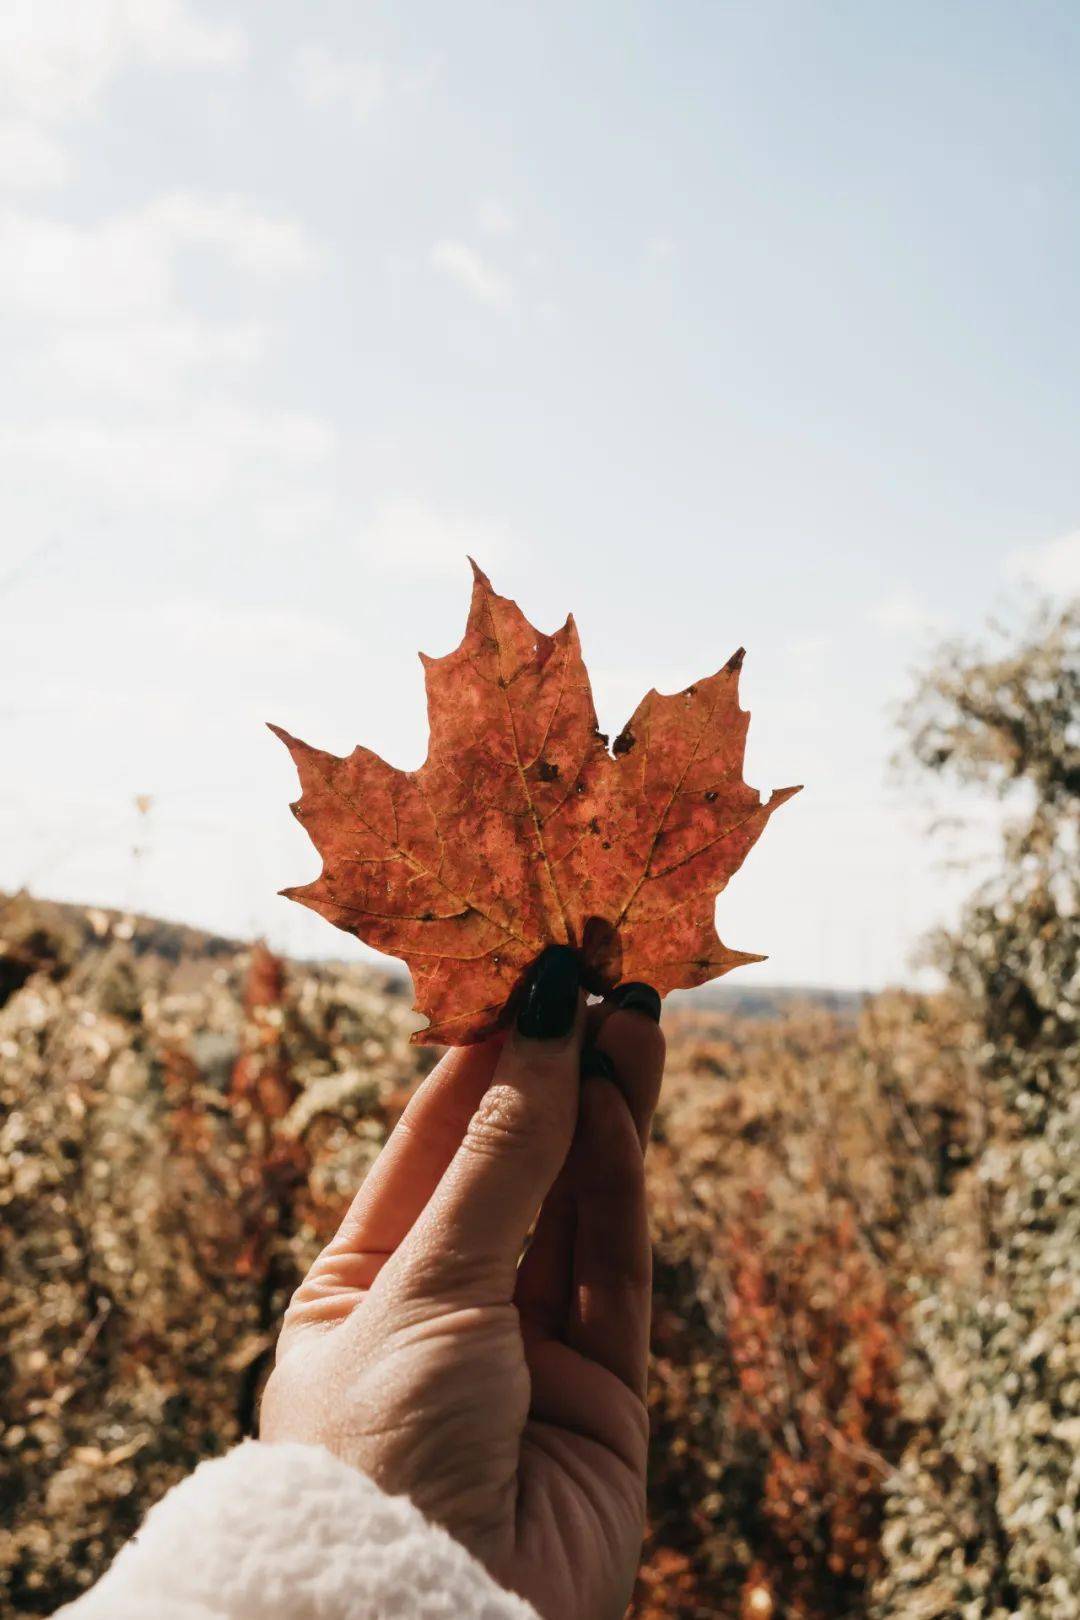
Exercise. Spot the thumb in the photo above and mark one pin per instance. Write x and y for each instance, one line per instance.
(468, 1241)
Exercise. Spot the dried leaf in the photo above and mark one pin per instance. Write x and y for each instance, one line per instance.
(521, 829)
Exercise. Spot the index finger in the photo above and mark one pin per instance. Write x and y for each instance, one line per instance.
(468, 1241)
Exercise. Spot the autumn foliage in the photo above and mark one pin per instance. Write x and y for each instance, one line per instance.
(783, 1215)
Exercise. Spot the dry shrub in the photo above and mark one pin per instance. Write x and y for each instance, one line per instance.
(785, 1197)
(984, 1514)
(179, 1131)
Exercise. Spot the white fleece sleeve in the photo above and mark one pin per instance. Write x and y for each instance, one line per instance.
(287, 1532)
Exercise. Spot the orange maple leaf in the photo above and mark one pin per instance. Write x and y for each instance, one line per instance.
(521, 829)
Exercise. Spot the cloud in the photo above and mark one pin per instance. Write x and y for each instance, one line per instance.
(149, 359)
(191, 462)
(251, 632)
(124, 266)
(56, 271)
(30, 158)
(360, 86)
(660, 253)
(321, 78)
(237, 229)
(104, 302)
(464, 265)
(1053, 566)
(293, 515)
(904, 613)
(56, 58)
(494, 219)
(412, 537)
(245, 635)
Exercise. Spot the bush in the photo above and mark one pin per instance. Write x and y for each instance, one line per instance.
(983, 1514)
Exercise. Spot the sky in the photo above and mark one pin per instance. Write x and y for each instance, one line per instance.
(716, 324)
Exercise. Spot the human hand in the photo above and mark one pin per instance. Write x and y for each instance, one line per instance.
(506, 1399)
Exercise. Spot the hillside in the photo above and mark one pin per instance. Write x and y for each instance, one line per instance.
(74, 928)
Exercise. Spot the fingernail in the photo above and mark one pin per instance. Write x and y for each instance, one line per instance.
(637, 997)
(550, 1000)
(596, 1065)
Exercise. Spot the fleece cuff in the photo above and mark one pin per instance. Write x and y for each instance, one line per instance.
(287, 1532)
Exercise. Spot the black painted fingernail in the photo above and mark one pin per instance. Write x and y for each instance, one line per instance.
(550, 1000)
(596, 1065)
(637, 997)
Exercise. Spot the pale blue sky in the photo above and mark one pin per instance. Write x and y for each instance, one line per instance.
(716, 324)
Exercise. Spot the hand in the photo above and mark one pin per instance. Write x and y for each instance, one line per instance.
(506, 1399)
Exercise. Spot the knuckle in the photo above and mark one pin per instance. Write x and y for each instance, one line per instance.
(511, 1119)
(447, 1271)
(637, 1035)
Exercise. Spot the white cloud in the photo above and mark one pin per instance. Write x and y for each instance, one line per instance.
(250, 633)
(810, 652)
(494, 219)
(30, 158)
(193, 461)
(412, 537)
(324, 79)
(1053, 566)
(57, 57)
(174, 34)
(56, 271)
(104, 302)
(237, 229)
(149, 359)
(360, 86)
(905, 613)
(660, 253)
(296, 515)
(243, 635)
(464, 265)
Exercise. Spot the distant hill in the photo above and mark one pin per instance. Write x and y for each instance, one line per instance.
(35, 933)
(771, 1000)
(88, 923)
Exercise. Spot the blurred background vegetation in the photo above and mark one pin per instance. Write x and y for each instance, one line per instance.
(866, 1384)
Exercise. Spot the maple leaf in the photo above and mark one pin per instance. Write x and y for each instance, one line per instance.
(521, 829)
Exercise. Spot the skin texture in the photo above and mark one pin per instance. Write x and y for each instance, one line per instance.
(505, 1398)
